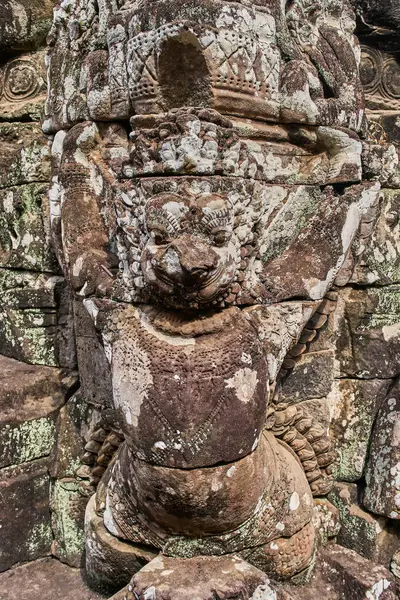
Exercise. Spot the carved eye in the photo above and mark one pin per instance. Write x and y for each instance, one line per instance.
(159, 237)
(221, 237)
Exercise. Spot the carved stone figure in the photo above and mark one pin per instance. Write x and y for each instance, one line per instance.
(206, 195)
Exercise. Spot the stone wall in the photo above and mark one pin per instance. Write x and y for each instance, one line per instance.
(41, 504)
(343, 370)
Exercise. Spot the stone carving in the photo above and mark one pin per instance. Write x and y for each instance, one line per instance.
(380, 74)
(207, 193)
(23, 86)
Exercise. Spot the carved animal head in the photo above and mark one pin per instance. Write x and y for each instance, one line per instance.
(190, 254)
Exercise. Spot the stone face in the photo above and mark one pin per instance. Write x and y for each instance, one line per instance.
(25, 513)
(209, 189)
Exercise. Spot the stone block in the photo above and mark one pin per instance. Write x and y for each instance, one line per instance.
(24, 513)
(202, 577)
(45, 579)
(37, 324)
(24, 235)
(24, 23)
(368, 333)
(30, 400)
(311, 378)
(111, 562)
(326, 519)
(355, 577)
(24, 154)
(382, 477)
(380, 260)
(372, 537)
(68, 503)
(72, 434)
(94, 368)
(353, 404)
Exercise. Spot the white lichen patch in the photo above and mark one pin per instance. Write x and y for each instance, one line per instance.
(294, 502)
(244, 382)
(132, 379)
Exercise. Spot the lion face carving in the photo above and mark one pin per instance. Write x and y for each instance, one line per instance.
(190, 254)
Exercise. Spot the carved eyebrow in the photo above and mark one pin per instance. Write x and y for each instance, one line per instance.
(164, 219)
(216, 218)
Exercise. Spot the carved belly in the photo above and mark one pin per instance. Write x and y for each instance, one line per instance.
(189, 401)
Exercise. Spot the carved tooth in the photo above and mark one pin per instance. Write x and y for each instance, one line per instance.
(103, 459)
(98, 471)
(89, 458)
(304, 424)
(99, 435)
(288, 363)
(93, 446)
(317, 321)
(326, 459)
(306, 454)
(322, 446)
(297, 350)
(309, 465)
(307, 335)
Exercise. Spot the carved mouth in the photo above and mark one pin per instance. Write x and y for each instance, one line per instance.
(198, 286)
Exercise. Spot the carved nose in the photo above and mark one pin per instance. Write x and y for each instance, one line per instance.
(196, 259)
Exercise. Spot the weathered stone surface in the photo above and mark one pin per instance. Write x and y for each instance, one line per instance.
(24, 229)
(373, 537)
(368, 341)
(36, 317)
(111, 562)
(356, 577)
(24, 154)
(68, 503)
(311, 378)
(24, 513)
(384, 13)
(353, 404)
(380, 261)
(30, 399)
(382, 491)
(72, 434)
(326, 520)
(45, 579)
(227, 577)
(24, 24)
(94, 369)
